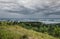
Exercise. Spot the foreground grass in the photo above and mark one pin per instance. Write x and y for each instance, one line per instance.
(18, 32)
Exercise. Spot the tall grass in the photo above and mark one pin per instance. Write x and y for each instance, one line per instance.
(18, 32)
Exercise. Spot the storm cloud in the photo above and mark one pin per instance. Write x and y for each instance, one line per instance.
(30, 8)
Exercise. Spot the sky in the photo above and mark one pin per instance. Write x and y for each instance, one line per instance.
(29, 8)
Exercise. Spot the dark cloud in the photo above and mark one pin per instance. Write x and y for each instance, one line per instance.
(30, 9)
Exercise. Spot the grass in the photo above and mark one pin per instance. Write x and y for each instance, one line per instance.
(18, 32)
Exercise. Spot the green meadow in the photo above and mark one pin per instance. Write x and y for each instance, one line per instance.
(29, 30)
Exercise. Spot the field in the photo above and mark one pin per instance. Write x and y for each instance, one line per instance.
(24, 30)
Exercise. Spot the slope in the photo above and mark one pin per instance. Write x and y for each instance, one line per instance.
(18, 32)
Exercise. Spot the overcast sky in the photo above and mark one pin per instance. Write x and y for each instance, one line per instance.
(29, 8)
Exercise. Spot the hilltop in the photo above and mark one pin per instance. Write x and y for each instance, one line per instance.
(18, 32)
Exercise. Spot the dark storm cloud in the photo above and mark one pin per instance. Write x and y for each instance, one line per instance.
(30, 8)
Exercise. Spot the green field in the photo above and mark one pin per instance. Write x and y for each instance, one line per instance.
(10, 30)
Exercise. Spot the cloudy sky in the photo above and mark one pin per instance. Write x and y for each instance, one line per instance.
(29, 8)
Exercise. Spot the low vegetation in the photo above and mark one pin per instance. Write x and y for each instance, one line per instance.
(51, 29)
(29, 30)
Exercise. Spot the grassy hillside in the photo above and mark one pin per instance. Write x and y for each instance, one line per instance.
(18, 32)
